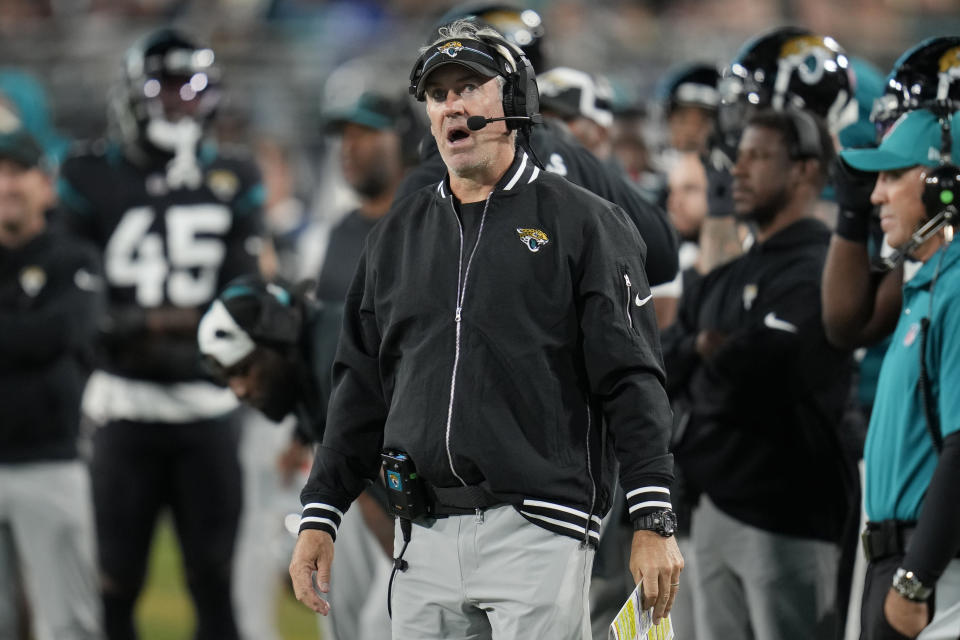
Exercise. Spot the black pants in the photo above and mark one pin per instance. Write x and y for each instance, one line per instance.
(873, 624)
(138, 470)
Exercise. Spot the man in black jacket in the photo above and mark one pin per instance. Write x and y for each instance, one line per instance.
(766, 393)
(50, 293)
(498, 334)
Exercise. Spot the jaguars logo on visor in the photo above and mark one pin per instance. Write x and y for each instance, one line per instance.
(807, 55)
(949, 72)
(533, 239)
(451, 48)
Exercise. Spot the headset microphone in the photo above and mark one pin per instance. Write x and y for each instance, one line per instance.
(475, 123)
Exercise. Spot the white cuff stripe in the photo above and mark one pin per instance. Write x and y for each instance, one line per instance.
(320, 505)
(333, 524)
(558, 507)
(559, 523)
(648, 490)
(650, 503)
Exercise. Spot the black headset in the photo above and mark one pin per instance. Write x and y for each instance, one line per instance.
(941, 185)
(521, 98)
(279, 319)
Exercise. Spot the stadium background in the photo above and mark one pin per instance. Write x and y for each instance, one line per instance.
(285, 61)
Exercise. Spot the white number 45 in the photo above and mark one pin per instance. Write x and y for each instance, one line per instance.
(187, 269)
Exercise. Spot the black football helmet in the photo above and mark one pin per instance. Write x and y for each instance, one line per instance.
(693, 84)
(169, 81)
(927, 72)
(522, 27)
(789, 67)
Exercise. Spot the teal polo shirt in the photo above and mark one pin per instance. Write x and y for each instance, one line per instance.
(899, 455)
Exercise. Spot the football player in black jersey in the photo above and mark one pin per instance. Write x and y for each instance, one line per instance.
(176, 218)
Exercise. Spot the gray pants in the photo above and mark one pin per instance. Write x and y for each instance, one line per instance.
(611, 582)
(263, 543)
(47, 536)
(753, 583)
(501, 578)
(358, 583)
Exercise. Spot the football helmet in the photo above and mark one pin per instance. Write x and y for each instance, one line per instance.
(693, 85)
(522, 27)
(927, 72)
(789, 67)
(170, 88)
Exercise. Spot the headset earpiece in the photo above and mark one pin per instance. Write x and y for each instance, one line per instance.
(941, 189)
(941, 185)
(520, 94)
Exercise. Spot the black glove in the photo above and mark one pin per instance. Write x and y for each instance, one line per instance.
(853, 189)
(719, 192)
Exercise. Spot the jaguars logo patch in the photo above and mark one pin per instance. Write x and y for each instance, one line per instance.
(950, 60)
(750, 292)
(223, 183)
(32, 280)
(451, 48)
(533, 239)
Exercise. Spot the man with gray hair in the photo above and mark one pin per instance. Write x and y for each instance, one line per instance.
(499, 352)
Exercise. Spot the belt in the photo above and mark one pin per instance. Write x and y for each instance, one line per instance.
(456, 501)
(886, 538)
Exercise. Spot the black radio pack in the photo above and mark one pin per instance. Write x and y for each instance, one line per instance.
(406, 490)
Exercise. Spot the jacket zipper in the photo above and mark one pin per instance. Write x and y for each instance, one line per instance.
(593, 484)
(626, 279)
(462, 275)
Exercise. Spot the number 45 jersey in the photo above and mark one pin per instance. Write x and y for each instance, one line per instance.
(166, 252)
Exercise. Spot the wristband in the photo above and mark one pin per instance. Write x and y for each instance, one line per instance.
(853, 225)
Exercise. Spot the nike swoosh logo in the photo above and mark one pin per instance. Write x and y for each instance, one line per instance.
(640, 302)
(771, 320)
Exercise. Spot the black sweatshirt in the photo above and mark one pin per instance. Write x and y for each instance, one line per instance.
(50, 296)
(522, 357)
(763, 438)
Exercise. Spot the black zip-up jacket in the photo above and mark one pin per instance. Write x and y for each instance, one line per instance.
(563, 155)
(51, 294)
(763, 436)
(523, 358)
(317, 347)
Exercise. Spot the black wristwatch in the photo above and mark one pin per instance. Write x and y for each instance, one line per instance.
(663, 522)
(909, 586)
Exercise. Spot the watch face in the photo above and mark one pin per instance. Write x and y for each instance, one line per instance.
(669, 525)
(664, 522)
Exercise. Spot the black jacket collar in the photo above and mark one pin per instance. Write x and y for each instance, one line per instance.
(522, 171)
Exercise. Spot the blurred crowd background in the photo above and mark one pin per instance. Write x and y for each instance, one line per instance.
(288, 61)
